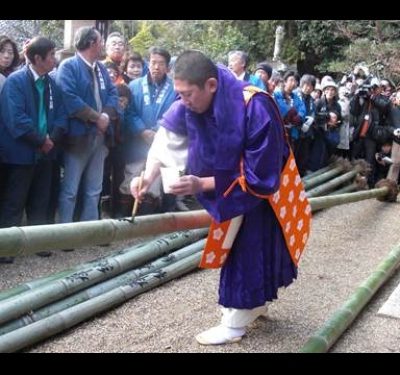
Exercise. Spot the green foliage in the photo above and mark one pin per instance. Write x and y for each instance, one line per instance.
(143, 40)
(317, 46)
(54, 30)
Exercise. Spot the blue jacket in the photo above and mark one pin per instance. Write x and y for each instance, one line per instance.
(149, 105)
(255, 81)
(76, 83)
(19, 137)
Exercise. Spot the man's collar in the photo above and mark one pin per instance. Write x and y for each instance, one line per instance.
(91, 66)
(35, 75)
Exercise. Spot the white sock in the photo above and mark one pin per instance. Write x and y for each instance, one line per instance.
(220, 335)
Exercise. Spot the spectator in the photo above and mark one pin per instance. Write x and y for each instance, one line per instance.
(91, 101)
(237, 64)
(32, 121)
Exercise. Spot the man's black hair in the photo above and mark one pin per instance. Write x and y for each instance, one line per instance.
(162, 52)
(39, 45)
(196, 68)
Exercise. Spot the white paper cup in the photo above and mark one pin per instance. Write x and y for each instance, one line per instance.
(169, 176)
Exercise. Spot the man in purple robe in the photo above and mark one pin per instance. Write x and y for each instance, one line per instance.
(210, 130)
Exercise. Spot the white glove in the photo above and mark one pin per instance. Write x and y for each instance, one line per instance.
(387, 160)
(396, 132)
(309, 120)
(305, 128)
(306, 125)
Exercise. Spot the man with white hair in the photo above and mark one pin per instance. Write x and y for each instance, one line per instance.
(237, 64)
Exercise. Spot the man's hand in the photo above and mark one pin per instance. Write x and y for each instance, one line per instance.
(103, 122)
(188, 185)
(136, 193)
(47, 145)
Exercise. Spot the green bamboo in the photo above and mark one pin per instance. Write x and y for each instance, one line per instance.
(346, 189)
(14, 307)
(17, 241)
(317, 180)
(11, 292)
(324, 338)
(27, 240)
(65, 319)
(101, 288)
(327, 186)
(319, 171)
(93, 263)
(335, 200)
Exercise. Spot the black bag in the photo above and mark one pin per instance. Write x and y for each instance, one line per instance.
(381, 133)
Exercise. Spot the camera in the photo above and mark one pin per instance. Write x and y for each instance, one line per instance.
(322, 116)
(370, 82)
(364, 91)
(382, 158)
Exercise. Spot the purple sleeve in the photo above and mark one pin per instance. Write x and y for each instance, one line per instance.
(265, 150)
(174, 119)
(264, 154)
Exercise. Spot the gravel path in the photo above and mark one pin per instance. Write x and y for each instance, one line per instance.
(346, 245)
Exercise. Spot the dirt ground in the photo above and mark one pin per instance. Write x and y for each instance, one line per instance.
(346, 245)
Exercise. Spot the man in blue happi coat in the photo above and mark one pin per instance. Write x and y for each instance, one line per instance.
(32, 121)
(91, 101)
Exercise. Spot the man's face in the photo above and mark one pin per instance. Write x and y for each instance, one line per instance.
(236, 64)
(115, 48)
(46, 65)
(158, 67)
(193, 97)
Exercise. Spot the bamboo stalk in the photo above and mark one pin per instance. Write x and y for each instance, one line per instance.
(317, 180)
(319, 171)
(346, 189)
(101, 288)
(17, 241)
(65, 319)
(27, 240)
(327, 186)
(341, 319)
(335, 200)
(14, 307)
(197, 233)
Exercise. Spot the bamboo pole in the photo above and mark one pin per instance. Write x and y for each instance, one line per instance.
(17, 241)
(93, 263)
(319, 171)
(14, 307)
(319, 203)
(65, 319)
(346, 189)
(30, 239)
(327, 186)
(317, 180)
(325, 337)
(101, 288)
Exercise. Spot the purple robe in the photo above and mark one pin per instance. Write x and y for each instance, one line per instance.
(259, 262)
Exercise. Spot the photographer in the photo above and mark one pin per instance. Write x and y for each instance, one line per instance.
(328, 119)
(371, 111)
(395, 122)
